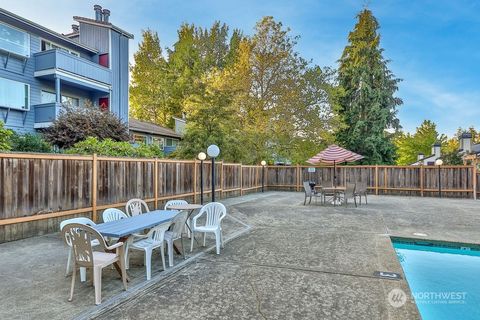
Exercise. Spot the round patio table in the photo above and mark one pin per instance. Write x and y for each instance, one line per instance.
(190, 207)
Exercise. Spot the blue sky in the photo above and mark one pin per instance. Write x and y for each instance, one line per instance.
(434, 45)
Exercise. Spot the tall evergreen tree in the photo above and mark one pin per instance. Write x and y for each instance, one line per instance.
(367, 105)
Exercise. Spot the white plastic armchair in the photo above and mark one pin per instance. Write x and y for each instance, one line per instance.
(113, 214)
(87, 222)
(175, 233)
(155, 239)
(80, 237)
(215, 212)
(134, 207)
(174, 203)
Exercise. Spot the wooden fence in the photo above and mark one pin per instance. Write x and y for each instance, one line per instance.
(37, 191)
(450, 181)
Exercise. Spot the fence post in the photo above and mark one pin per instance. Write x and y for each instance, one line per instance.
(94, 187)
(195, 180)
(241, 179)
(421, 179)
(155, 182)
(221, 180)
(376, 179)
(474, 170)
(298, 177)
(385, 186)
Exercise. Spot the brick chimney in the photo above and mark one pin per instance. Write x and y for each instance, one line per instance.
(420, 156)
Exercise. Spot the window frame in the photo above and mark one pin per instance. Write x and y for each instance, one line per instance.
(27, 99)
(58, 47)
(28, 41)
(136, 135)
(159, 139)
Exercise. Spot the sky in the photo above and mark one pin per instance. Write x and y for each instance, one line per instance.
(433, 45)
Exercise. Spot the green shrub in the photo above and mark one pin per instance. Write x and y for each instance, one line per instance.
(5, 135)
(29, 143)
(108, 147)
(75, 124)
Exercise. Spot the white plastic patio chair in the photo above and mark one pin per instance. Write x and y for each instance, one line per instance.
(113, 214)
(134, 207)
(171, 203)
(175, 233)
(80, 237)
(174, 203)
(87, 222)
(155, 239)
(215, 212)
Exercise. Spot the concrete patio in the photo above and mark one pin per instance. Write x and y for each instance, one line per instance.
(283, 261)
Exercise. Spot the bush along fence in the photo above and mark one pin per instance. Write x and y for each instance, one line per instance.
(37, 191)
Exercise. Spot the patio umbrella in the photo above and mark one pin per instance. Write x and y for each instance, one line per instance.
(333, 155)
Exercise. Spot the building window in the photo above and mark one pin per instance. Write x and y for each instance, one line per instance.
(159, 142)
(14, 40)
(47, 45)
(171, 142)
(137, 138)
(50, 97)
(14, 94)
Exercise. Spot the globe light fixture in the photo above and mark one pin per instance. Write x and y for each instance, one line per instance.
(439, 163)
(201, 156)
(263, 163)
(213, 151)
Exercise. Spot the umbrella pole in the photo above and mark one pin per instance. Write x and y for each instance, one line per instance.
(334, 175)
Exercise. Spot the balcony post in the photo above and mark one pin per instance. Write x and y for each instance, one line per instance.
(58, 96)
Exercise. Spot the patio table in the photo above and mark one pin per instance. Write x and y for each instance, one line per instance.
(123, 228)
(333, 190)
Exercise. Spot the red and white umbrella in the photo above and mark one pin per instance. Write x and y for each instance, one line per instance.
(333, 155)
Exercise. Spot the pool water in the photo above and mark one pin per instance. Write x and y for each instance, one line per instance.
(444, 279)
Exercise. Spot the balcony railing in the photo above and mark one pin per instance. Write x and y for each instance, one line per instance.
(46, 113)
(60, 60)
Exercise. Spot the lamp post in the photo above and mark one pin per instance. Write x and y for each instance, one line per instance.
(201, 156)
(439, 163)
(213, 151)
(263, 163)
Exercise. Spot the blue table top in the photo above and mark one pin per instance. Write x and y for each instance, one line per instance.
(126, 227)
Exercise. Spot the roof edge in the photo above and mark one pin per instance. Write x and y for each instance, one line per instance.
(45, 29)
(103, 24)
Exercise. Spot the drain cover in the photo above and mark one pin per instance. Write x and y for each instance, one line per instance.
(387, 275)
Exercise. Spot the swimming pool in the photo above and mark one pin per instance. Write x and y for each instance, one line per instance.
(444, 278)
